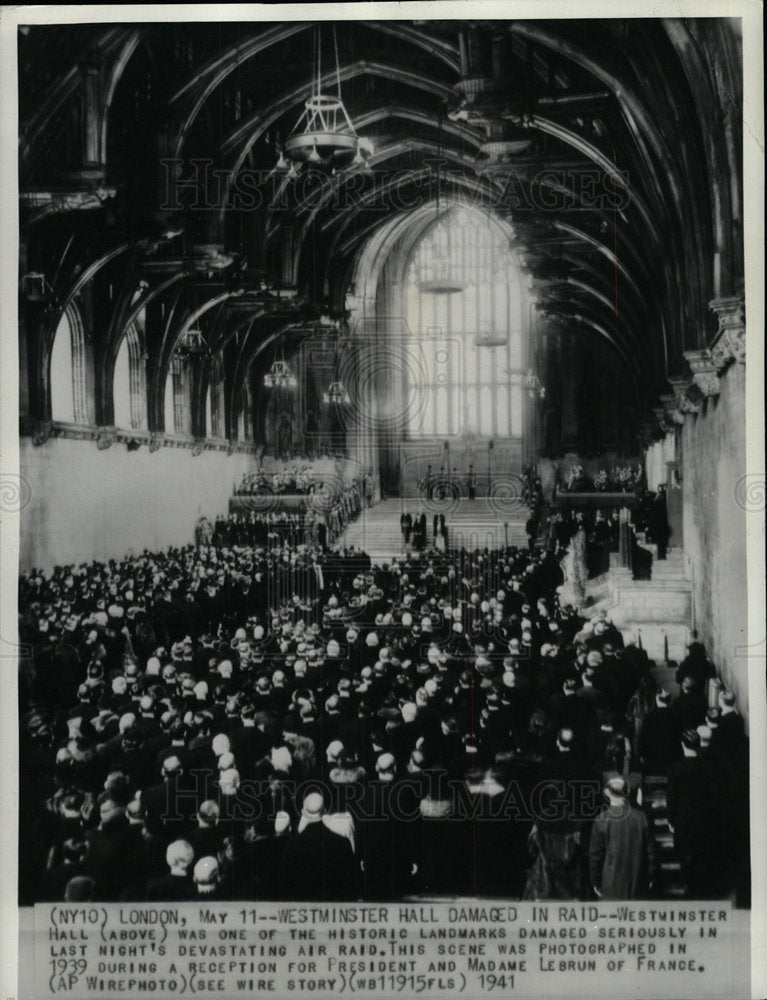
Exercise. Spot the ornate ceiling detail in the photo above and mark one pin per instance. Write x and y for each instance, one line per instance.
(173, 164)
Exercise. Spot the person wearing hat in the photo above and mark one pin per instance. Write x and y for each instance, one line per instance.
(621, 854)
(317, 864)
(178, 737)
(106, 848)
(659, 736)
(570, 712)
(696, 664)
(690, 815)
(170, 805)
(53, 881)
(563, 805)
(406, 527)
(207, 878)
(690, 704)
(206, 838)
(729, 736)
(388, 836)
(247, 741)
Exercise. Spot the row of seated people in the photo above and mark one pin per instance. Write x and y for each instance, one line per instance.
(297, 479)
(452, 689)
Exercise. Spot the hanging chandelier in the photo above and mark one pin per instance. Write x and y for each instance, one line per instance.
(324, 135)
(532, 383)
(192, 344)
(280, 376)
(499, 156)
(445, 278)
(336, 393)
(528, 380)
(441, 274)
(490, 338)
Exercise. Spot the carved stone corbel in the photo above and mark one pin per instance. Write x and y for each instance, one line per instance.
(155, 442)
(704, 371)
(681, 388)
(105, 439)
(671, 409)
(41, 432)
(198, 447)
(664, 422)
(729, 344)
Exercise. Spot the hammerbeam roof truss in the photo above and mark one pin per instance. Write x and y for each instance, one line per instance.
(631, 180)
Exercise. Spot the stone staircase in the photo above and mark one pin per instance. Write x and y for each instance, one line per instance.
(669, 881)
(655, 613)
(471, 524)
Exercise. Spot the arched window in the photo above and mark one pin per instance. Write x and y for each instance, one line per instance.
(467, 344)
(129, 386)
(178, 394)
(214, 402)
(68, 371)
(245, 419)
(168, 407)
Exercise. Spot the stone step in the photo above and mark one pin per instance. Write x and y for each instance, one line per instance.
(677, 563)
(473, 524)
(660, 569)
(654, 585)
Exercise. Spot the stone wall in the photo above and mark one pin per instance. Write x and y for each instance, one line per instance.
(714, 459)
(91, 504)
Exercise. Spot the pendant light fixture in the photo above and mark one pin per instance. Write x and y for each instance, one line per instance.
(324, 136)
(280, 375)
(490, 337)
(533, 385)
(528, 381)
(192, 344)
(336, 392)
(442, 276)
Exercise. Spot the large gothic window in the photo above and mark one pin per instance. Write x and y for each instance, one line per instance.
(467, 346)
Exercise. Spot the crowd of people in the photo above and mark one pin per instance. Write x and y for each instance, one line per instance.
(272, 527)
(301, 481)
(318, 520)
(600, 533)
(619, 479)
(415, 531)
(280, 722)
(296, 479)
